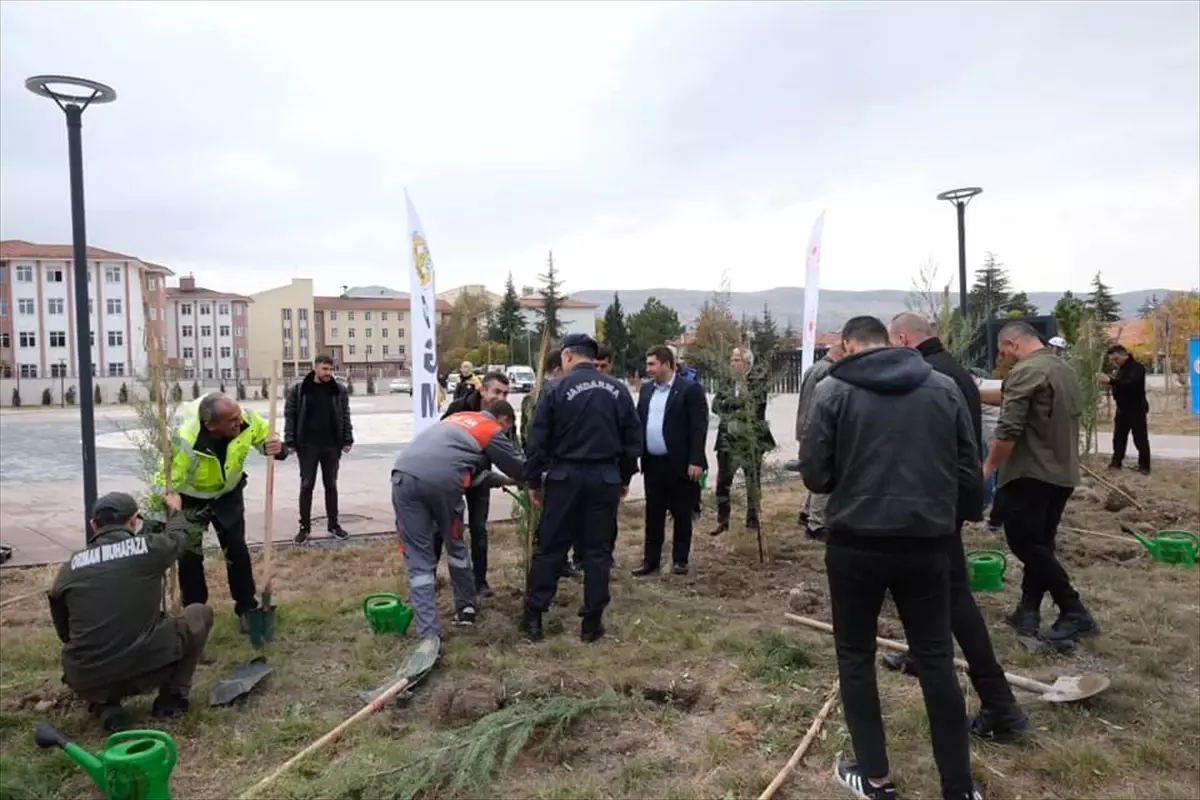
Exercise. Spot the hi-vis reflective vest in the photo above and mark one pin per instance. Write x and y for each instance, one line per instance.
(201, 475)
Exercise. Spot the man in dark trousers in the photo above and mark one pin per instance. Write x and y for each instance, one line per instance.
(743, 436)
(674, 418)
(582, 452)
(317, 428)
(1128, 384)
(812, 515)
(1037, 452)
(999, 714)
(493, 387)
(893, 506)
(106, 604)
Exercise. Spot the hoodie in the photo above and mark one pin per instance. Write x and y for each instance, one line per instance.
(892, 442)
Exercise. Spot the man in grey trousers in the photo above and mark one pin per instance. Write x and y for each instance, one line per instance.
(429, 478)
(812, 516)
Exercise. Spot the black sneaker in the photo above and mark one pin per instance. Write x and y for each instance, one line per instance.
(303, 534)
(465, 617)
(531, 625)
(169, 705)
(722, 527)
(1071, 627)
(849, 775)
(644, 570)
(975, 794)
(112, 716)
(1025, 621)
(1115, 465)
(679, 568)
(817, 534)
(999, 725)
(483, 590)
(338, 532)
(591, 630)
(1144, 470)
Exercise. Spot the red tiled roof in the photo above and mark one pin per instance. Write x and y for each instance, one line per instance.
(1129, 331)
(200, 293)
(19, 248)
(325, 303)
(535, 301)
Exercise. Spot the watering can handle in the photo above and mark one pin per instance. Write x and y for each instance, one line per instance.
(379, 595)
(158, 736)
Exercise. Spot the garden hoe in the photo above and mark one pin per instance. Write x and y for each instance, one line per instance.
(261, 621)
(1065, 689)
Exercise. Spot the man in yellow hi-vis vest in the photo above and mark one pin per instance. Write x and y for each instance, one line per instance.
(208, 462)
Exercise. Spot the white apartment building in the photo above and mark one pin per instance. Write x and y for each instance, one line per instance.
(207, 332)
(37, 310)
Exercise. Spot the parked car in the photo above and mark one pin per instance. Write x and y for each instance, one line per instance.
(400, 386)
(520, 378)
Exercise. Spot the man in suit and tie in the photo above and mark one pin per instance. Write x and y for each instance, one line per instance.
(674, 415)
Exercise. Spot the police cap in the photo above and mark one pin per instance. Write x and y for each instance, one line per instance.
(114, 506)
(582, 340)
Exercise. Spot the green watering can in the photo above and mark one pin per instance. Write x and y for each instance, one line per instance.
(1169, 547)
(134, 765)
(985, 570)
(387, 613)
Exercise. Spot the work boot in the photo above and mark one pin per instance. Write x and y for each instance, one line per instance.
(679, 568)
(1144, 470)
(1070, 627)
(303, 534)
(591, 629)
(999, 724)
(722, 527)
(644, 570)
(1025, 621)
(112, 716)
(531, 625)
(1114, 465)
(169, 704)
(338, 532)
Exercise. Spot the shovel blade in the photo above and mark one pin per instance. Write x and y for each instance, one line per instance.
(261, 622)
(240, 682)
(1073, 688)
(415, 667)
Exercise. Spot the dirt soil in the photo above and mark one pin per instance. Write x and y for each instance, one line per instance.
(713, 688)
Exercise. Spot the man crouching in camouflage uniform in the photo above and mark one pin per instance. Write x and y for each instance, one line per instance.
(107, 607)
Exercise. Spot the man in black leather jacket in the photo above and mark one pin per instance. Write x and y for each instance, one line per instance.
(891, 442)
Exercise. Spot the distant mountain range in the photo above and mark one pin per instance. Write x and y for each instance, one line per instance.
(787, 303)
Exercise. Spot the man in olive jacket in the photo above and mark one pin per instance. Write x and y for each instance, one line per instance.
(106, 604)
(743, 436)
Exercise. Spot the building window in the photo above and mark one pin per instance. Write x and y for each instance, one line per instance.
(24, 275)
(287, 351)
(287, 314)
(153, 314)
(350, 349)
(54, 275)
(226, 374)
(385, 351)
(239, 331)
(185, 309)
(399, 333)
(25, 307)
(189, 352)
(92, 340)
(350, 333)
(54, 305)
(206, 352)
(116, 338)
(3, 308)
(399, 316)
(370, 349)
(189, 374)
(91, 307)
(205, 309)
(5, 340)
(223, 330)
(383, 316)
(287, 334)
(241, 352)
(383, 333)
(151, 283)
(206, 331)
(29, 370)
(304, 351)
(186, 330)
(367, 316)
(302, 314)
(116, 369)
(223, 309)
(208, 374)
(332, 315)
(113, 307)
(27, 339)
(238, 309)
(368, 332)
(401, 349)
(3, 274)
(350, 315)
(333, 333)
(112, 275)
(58, 338)
(58, 370)
(226, 352)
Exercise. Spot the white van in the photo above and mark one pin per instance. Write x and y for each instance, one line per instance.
(520, 378)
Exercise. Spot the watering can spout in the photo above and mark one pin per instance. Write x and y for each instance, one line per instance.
(1135, 533)
(47, 736)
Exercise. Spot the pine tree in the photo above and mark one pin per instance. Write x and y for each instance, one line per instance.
(1068, 314)
(551, 293)
(764, 342)
(1019, 306)
(1102, 304)
(991, 295)
(616, 336)
(507, 323)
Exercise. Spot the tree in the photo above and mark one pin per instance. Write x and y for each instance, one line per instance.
(1174, 321)
(552, 297)
(1068, 313)
(764, 341)
(654, 324)
(1019, 306)
(507, 323)
(626, 359)
(991, 295)
(925, 296)
(462, 329)
(1102, 304)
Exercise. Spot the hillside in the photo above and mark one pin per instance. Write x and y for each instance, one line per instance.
(787, 302)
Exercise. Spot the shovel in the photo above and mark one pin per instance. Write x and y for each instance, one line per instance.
(261, 621)
(1065, 689)
(241, 682)
(416, 665)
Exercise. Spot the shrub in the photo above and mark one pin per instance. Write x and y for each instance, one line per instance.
(123, 394)
(176, 393)
(195, 390)
(97, 397)
(71, 396)
(241, 391)
(16, 398)
(47, 397)
(371, 385)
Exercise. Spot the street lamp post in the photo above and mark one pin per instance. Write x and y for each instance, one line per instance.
(960, 198)
(73, 96)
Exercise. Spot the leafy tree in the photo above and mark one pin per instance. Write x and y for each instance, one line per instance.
(1019, 306)
(1068, 313)
(552, 297)
(507, 323)
(654, 324)
(991, 295)
(1102, 304)
(626, 358)
(1173, 322)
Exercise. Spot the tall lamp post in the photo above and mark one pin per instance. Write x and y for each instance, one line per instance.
(73, 96)
(960, 198)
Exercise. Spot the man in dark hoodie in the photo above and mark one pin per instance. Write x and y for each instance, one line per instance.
(999, 715)
(1128, 385)
(316, 426)
(891, 517)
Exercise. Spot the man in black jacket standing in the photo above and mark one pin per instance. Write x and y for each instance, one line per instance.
(1128, 386)
(317, 428)
(893, 505)
(999, 715)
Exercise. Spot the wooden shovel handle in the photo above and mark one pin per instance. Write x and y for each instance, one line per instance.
(269, 501)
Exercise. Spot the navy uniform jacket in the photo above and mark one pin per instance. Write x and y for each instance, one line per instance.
(585, 416)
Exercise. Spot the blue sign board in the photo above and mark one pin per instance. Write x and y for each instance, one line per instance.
(1194, 372)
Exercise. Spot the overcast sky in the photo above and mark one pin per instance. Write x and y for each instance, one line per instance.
(647, 144)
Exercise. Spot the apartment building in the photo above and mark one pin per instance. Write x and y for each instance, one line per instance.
(207, 332)
(126, 302)
(281, 329)
(574, 316)
(368, 335)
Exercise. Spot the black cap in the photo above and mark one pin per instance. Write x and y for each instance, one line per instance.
(572, 340)
(115, 505)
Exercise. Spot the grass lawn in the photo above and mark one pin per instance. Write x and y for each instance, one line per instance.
(703, 688)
